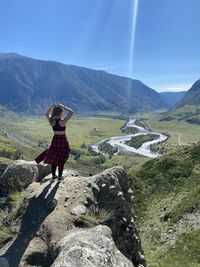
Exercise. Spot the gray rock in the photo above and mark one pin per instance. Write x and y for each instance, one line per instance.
(162, 218)
(21, 173)
(43, 169)
(79, 210)
(92, 248)
(60, 234)
(130, 191)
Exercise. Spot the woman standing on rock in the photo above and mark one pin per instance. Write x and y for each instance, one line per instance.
(58, 152)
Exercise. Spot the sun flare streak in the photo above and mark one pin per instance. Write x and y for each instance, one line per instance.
(131, 53)
(133, 31)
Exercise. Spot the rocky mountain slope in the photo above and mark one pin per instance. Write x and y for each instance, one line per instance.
(188, 107)
(28, 85)
(82, 221)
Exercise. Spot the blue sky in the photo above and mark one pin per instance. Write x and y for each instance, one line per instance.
(97, 34)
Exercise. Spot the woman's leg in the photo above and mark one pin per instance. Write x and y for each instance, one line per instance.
(60, 170)
(53, 170)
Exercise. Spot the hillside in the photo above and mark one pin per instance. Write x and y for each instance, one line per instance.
(8, 115)
(171, 98)
(167, 204)
(28, 86)
(187, 108)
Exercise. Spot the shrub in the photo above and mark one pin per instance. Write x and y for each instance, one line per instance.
(107, 148)
(101, 159)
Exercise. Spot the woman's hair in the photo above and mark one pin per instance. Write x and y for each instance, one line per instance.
(56, 112)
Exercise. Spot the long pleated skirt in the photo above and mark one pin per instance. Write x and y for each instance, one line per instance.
(58, 152)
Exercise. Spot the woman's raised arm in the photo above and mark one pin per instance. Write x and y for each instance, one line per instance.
(68, 110)
(49, 111)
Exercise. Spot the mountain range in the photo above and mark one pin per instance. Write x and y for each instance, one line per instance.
(29, 85)
(171, 98)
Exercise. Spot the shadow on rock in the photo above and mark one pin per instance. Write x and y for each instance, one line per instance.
(36, 212)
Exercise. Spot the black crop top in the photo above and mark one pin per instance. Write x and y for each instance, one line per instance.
(57, 126)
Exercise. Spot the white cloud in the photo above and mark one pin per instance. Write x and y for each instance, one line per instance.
(107, 67)
(176, 87)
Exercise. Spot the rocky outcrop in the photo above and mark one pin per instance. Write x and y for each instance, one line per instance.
(112, 192)
(82, 221)
(90, 247)
(21, 173)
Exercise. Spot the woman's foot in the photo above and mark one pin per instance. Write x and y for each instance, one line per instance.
(54, 177)
(60, 178)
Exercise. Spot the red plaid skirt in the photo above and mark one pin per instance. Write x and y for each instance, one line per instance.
(58, 152)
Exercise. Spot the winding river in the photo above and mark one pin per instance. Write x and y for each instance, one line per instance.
(119, 142)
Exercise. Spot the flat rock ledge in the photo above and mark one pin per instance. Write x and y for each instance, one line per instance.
(78, 222)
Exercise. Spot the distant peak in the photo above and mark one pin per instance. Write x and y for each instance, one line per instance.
(10, 54)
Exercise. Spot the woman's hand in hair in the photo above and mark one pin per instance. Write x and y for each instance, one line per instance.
(60, 105)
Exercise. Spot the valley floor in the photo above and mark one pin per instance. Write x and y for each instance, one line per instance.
(164, 224)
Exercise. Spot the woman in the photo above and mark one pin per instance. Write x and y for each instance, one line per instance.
(58, 152)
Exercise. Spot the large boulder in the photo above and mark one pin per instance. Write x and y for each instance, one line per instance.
(90, 247)
(21, 173)
(43, 170)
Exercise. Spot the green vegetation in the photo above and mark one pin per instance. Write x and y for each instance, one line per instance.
(10, 208)
(137, 141)
(5, 235)
(81, 133)
(96, 216)
(12, 150)
(108, 149)
(128, 130)
(4, 162)
(169, 188)
(189, 203)
(185, 253)
(131, 130)
(187, 109)
(79, 130)
(188, 113)
(181, 133)
(142, 122)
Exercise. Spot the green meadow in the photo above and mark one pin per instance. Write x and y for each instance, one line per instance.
(31, 135)
(180, 132)
(81, 132)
